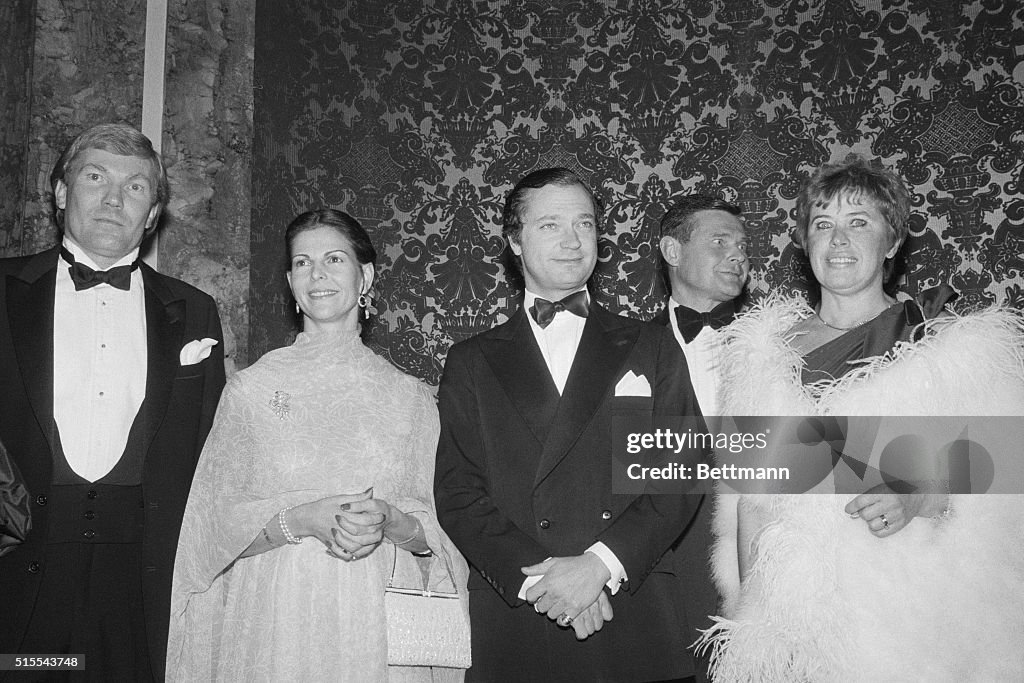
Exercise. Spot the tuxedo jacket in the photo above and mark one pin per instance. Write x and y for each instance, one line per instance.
(664, 315)
(524, 474)
(692, 557)
(176, 416)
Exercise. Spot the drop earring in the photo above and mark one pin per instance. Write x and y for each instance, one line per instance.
(364, 303)
(298, 311)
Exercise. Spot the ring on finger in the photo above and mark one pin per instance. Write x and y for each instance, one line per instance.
(885, 522)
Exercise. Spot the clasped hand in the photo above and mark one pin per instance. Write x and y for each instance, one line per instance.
(350, 526)
(571, 592)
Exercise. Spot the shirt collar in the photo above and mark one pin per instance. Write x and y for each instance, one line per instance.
(529, 297)
(84, 258)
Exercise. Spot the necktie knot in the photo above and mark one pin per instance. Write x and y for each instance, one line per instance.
(85, 277)
(543, 311)
(691, 322)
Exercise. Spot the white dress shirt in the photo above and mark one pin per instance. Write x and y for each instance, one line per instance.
(703, 358)
(558, 343)
(99, 366)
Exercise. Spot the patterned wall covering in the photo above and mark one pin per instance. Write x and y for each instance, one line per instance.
(417, 118)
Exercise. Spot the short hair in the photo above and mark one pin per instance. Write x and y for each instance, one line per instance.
(347, 226)
(679, 221)
(855, 177)
(116, 138)
(512, 216)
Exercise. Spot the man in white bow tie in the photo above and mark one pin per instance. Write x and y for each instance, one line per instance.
(704, 247)
(523, 480)
(111, 373)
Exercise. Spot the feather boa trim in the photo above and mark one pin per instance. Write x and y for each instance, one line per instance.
(825, 600)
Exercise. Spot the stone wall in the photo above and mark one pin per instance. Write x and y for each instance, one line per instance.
(86, 69)
(16, 33)
(207, 148)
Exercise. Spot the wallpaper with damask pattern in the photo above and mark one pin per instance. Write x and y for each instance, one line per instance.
(417, 117)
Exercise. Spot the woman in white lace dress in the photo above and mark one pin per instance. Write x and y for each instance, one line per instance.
(318, 469)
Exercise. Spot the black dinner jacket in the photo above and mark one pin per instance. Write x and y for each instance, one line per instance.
(662, 318)
(523, 474)
(692, 557)
(177, 413)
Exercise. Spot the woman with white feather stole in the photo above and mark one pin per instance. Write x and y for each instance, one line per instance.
(880, 586)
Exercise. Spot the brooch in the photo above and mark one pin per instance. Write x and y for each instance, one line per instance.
(279, 404)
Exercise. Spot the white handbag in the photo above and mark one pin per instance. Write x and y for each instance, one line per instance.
(424, 627)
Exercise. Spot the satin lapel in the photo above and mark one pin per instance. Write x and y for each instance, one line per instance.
(165, 324)
(662, 317)
(603, 350)
(30, 315)
(516, 361)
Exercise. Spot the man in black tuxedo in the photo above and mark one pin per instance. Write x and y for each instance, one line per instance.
(111, 373)
(704, 247)
(523, 478)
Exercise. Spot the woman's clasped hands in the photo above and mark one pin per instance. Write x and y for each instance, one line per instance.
(350, 526)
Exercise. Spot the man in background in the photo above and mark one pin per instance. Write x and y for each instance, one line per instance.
(704, 246)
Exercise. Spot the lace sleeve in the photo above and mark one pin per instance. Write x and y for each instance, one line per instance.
(416, 493)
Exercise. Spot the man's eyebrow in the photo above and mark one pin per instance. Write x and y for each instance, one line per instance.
(104, 169)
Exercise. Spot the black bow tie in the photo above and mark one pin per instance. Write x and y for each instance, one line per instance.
(691, 322)
(543, 311)
(85, 277)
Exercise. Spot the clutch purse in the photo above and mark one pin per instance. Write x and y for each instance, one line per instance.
(424, 627)
(15, 511)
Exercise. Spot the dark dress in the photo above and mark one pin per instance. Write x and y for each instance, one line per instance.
(897, 323)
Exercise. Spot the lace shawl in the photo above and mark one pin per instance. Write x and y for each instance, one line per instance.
(323, 417)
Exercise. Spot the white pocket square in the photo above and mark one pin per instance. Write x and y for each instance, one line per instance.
(631, 385)
(196, 350)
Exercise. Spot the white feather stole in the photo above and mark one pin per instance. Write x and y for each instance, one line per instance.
(825, 600)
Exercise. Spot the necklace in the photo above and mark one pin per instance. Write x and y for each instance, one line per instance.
(852, 327)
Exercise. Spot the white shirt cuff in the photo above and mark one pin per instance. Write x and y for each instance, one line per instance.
(530, 580)
(615, 567)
